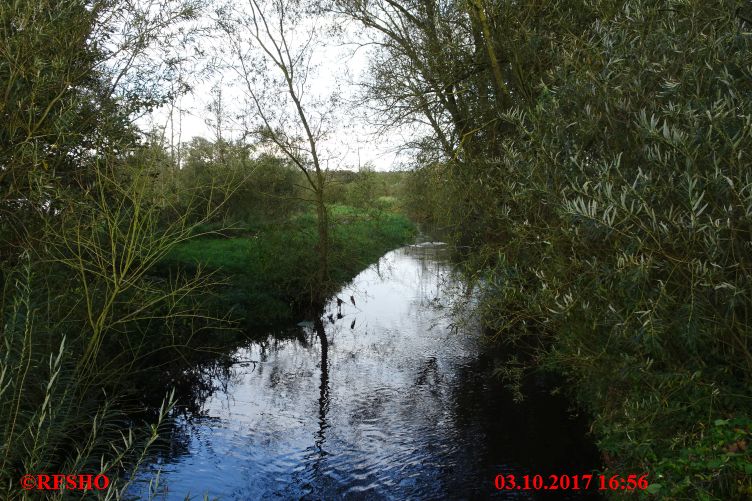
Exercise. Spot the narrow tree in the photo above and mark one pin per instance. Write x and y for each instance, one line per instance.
(275, 72)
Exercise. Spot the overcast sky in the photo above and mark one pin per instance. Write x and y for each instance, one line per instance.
(338, 64)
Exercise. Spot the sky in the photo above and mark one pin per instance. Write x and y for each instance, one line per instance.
(338, 64)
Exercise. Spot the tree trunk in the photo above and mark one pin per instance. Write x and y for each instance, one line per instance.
(322, 276)
(501, 86)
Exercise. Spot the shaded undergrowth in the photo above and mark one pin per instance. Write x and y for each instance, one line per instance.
(269, 270)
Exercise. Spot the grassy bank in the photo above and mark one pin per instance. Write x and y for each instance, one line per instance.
(269, 269)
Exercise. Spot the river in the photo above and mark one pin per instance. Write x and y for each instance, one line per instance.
(388, 397)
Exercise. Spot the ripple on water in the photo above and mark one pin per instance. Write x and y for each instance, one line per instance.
(401, 411)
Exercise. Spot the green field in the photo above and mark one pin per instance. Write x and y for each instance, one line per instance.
(269, 272)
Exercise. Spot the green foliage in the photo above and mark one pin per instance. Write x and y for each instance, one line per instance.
(259, 189)
(604, 209)
(718, 461)
(47, 70)
(367, 189)
(78, 314)
(426, 196)
(272, 274)
(625, 203)
(82, 225)
(54, 107)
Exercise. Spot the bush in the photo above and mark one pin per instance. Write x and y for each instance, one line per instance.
(82, 316)
(250, 189)
(615, 226)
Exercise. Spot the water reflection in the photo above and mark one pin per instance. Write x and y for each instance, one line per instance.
(323, 389)
(380, 398)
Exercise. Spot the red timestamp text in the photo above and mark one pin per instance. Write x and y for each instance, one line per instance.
(571, 482)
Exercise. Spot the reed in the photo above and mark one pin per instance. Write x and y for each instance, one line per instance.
(82, 313)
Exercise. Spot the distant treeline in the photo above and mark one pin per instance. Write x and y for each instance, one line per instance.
(264, 187)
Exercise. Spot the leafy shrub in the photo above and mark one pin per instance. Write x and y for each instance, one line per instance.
(615, 226)
(250, 189)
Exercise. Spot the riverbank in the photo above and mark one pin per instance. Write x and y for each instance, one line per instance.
(399, 403)
(267, 271)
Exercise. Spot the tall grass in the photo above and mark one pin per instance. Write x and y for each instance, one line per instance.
(82, 313)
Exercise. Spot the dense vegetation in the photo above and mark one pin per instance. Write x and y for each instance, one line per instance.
(102, 299)
(587, 159)
(78, 235)
(261, 240)
(590, 161)
(270, 276)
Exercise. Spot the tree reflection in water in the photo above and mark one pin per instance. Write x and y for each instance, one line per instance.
(323, 391)
(399, 404)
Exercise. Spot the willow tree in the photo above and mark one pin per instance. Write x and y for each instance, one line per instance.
(273, 48)
(79, 231)
(614, 207)
(440, 64)
(74, 74)
(465, 69)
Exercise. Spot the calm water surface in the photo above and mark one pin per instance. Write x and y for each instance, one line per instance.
(390, 401)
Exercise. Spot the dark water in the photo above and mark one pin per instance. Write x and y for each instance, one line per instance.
(390, 401)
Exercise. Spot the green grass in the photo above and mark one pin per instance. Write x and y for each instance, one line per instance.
(229, 254)
(270, 274)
